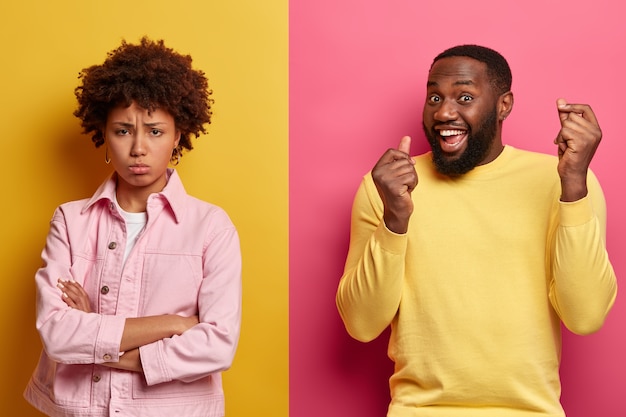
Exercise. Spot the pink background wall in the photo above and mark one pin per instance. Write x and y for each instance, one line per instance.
(357, 78)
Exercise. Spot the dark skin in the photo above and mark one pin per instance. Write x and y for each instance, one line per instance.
(577, 142)
(459, 93)
(140, 144)
(138, 331)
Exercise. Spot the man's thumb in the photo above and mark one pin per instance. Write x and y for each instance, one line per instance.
(405, 145)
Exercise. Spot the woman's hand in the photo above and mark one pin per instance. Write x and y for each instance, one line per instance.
(74, 295)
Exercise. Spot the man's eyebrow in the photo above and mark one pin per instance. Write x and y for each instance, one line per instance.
(459, 82)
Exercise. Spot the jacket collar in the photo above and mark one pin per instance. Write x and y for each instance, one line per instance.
(173, 194)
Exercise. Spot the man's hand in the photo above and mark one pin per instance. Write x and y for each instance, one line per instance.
(395, 178)
(74, 295)
(577, 142)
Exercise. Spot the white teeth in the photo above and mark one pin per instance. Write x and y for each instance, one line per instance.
(446, 133)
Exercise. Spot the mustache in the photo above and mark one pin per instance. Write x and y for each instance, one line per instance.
(462, 126)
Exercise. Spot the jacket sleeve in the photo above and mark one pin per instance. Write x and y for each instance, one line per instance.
(70, 336)
(583, 286)
(369, 292)
(209, 346)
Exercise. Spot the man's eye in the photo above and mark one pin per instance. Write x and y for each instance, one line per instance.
(434, 99)
(465, 98)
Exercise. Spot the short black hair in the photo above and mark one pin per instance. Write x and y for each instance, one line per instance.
(498, 69)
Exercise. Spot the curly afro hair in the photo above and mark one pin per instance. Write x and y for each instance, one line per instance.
(151, 75)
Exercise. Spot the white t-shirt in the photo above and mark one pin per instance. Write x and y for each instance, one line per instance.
(135, 223)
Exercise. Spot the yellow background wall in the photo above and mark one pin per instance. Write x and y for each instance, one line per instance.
(240, 165)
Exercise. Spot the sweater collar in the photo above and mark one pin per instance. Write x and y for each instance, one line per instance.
(488, 171)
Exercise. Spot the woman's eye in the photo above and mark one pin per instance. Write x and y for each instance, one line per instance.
(155, 132)
(122, 132)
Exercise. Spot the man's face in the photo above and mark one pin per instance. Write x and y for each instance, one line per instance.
(460, 115)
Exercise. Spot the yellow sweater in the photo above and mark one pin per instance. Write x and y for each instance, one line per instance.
(475, 291)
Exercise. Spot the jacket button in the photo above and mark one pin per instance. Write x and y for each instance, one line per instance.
(104, 290)
(112, 245)
(96, 378)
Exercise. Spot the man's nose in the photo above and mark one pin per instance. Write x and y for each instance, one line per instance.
(447, 111)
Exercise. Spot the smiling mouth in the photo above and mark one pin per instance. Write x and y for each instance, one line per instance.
(452, 139)
(449, 132)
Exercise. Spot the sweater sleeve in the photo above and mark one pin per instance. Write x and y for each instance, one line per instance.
(583, 285)
(209, 346)
(68, 335)
(369, 292)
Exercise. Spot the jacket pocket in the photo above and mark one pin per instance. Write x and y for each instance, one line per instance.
(176, 389)
(170, 284)
(66, 385)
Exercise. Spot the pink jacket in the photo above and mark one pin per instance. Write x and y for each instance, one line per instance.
(186, 261)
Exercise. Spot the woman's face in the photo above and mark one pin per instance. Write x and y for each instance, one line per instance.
(140, 145)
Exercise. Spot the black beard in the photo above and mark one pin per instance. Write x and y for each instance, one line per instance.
(478, 146)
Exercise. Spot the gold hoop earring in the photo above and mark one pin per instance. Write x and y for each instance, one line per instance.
(107, 160)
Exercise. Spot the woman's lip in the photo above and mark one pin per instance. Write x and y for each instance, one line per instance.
(139, 169)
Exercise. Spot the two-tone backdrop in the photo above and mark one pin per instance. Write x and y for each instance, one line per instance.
(308, 94)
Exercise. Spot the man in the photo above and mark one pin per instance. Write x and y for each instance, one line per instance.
(475, 252)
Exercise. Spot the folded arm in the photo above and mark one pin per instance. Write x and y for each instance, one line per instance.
(138, 331)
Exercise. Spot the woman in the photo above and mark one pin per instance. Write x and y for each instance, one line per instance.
(139, 294)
